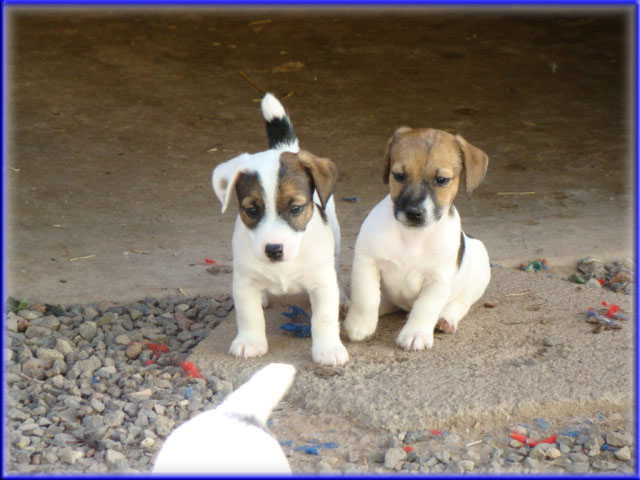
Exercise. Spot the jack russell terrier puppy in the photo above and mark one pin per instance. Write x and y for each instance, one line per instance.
(411, 253)
(233, 437)
(286, 237)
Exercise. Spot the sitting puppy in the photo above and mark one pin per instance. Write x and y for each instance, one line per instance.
(232, 438)
(286, 236)
(411, 246)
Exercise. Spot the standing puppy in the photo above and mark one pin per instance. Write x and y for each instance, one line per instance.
(286, 236)
(411, 247)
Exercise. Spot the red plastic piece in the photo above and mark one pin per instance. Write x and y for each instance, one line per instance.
(157, 348)
(613, 309)
(604, 303)
(149, 362)
(209, 261)
(435, 432)
(191, 370)
(408, 449)
(551, 439)
(532, 443)
(601, 280)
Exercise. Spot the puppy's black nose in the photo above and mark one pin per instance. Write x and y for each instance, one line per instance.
(413, 213)
(274, 251)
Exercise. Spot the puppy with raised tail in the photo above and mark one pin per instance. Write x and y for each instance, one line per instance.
(232, 438)
(286, 237)
(411, 253)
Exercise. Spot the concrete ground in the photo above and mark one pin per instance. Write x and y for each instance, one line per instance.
(116, 119)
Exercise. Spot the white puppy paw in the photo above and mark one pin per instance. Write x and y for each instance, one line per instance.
(358, 328)
(246, 346)
(415, 339)
(329, 353)
(446, 325)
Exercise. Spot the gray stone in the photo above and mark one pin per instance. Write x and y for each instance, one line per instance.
(29, 314)
(64, 346)
(34, 331)
(92, 422)
(393, 457)
(115, 459)
(593, 283)
(431, 462)
(414, 436)
(553, 453)
(578, 457)
(133, 350)
(49, 354)
(164, 424)
(17, 415)
(619, 439)
(550, 341)
(465, 466)
(623, 454)
(88, 330)
(532, 464)
(594, 442)
(604, 465)
(565, 440)
(538, 452)
(123, 339)
(114, 419)
(50, 321)
(107, 319)
(34, 368)
(12, 322)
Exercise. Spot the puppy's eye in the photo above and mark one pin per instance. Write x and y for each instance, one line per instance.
(400, 177)
(251, 211)
(442, 180)
(296, 209)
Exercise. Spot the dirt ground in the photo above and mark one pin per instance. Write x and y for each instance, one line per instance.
(117, 118)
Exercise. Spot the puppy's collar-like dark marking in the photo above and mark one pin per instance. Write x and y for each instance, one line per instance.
(323, 214)
(461, 249)
(247, 419)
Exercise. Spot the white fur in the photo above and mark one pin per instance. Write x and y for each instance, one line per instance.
(413, 269)
(221, 441)
(309, 260)
(271, 108)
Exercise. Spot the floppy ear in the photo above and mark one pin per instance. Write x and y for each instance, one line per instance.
(474, 164)
(323, 172)
(226, 175)
(386, 169)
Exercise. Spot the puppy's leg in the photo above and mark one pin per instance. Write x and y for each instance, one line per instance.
(327, 349)
(473, 278)
(417, 334)
(251, 340)
(451, 316)
(362, 318)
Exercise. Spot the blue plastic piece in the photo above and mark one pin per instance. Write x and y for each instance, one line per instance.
(287, 443)
(188, 393)
(350, 199)
(309, 450)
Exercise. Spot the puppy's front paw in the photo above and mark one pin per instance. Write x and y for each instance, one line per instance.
(415, 339)
(359, 327)
(447, 326)
(329, 354)
(246, 346)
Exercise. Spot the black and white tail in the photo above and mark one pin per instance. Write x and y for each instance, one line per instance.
(279, 130)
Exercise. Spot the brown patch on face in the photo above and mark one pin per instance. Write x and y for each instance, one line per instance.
(250, 199)
(294, 196)
(423, 162)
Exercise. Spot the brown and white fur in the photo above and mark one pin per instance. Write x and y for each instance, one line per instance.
(286, 236)
(411, 253)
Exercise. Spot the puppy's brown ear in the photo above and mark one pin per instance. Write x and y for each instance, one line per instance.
(386, 169)
(474, 164)
(324, 174)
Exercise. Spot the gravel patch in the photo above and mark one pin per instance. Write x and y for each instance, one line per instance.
(87, 393)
